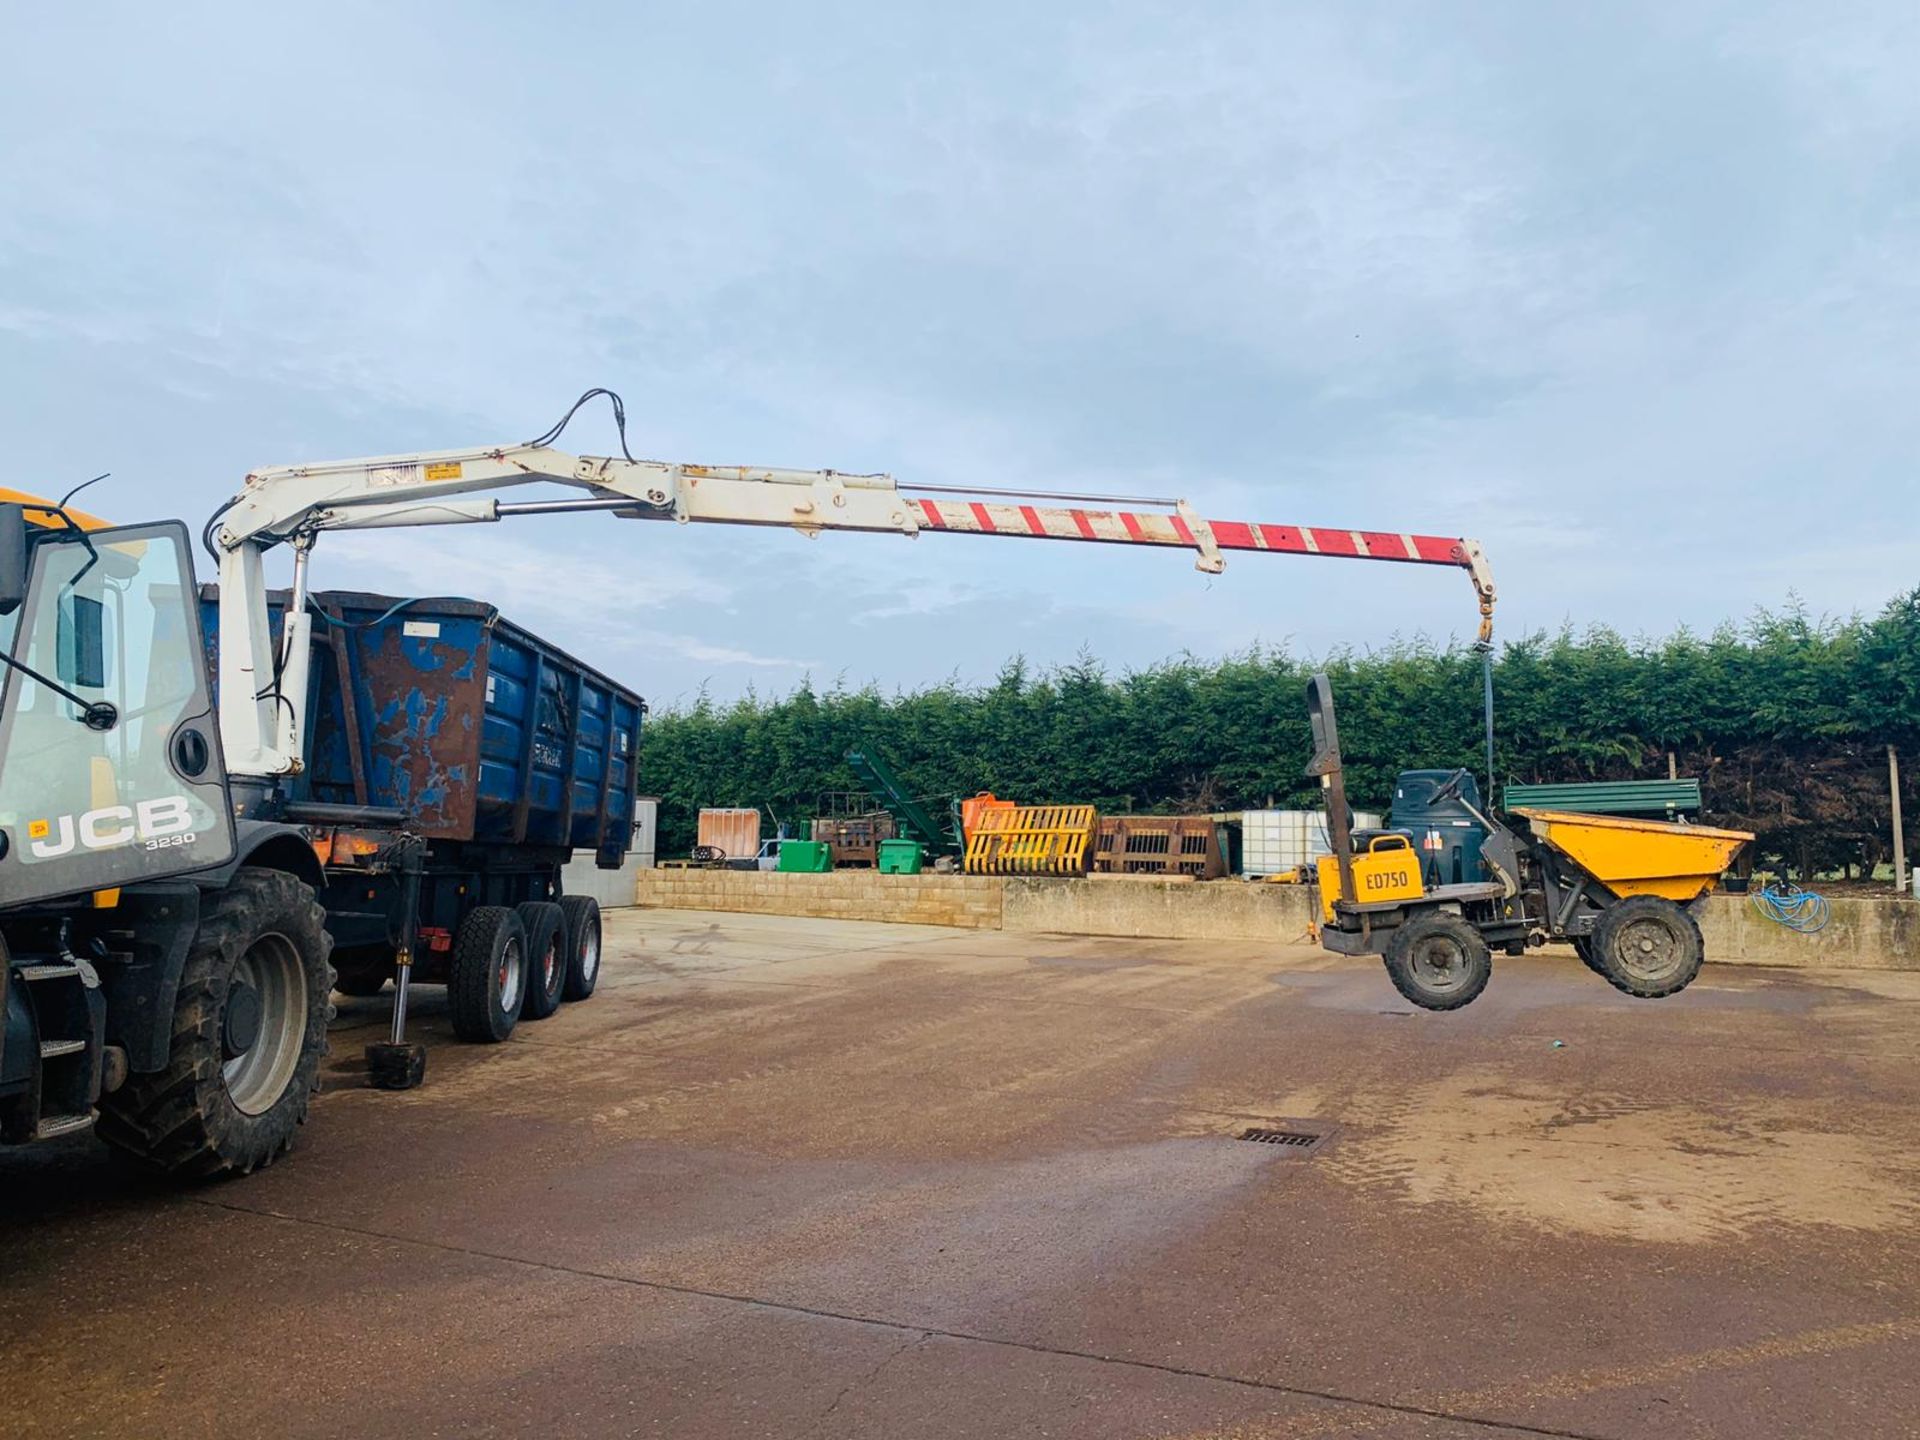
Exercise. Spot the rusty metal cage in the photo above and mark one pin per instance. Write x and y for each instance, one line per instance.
(855, 839)
(1032, 840)
(1159, 845)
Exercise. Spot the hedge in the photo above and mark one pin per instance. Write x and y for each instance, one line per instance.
(1784, 719)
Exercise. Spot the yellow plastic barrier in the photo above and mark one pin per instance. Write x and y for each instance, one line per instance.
(1031, 840)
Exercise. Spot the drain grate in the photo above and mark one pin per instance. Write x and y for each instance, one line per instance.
(1291, 1139)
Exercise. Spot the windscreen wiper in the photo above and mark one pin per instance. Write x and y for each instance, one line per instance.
(94, 714)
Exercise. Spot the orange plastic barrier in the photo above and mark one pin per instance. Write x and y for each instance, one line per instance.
(972, 809)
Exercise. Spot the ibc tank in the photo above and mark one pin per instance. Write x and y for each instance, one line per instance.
(1444, 830)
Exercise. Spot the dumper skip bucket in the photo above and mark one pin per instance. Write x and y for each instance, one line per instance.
(1639, 857)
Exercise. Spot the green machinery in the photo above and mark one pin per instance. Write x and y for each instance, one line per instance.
(916, 820)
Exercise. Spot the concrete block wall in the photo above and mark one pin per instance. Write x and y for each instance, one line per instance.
(1140, 908)
(970, 902)
(1860, 935)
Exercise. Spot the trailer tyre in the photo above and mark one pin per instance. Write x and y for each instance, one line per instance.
(1438, 961)
(1647, 946)
(362, 971)
(487, 981)
(583, 944)
(546, 927)
(249, 1030)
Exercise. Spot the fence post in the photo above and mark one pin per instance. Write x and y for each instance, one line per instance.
(1899, 838)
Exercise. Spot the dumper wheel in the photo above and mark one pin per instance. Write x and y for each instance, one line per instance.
(1647, 946)
(249, 1030)
(583, 944)
(1438, 961)
(1583, 947)
(487, 980)
(546, 928)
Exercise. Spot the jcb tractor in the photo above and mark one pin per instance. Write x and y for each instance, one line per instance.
(159, 959)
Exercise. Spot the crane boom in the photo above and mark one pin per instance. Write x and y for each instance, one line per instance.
(294, 504)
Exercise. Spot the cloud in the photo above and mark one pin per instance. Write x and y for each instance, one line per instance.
(616, 612)
(1633, 299)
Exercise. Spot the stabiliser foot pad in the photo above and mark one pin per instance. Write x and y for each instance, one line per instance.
(396, 1067)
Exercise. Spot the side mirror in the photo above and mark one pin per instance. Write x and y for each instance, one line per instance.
(81, 642)
(13, 558)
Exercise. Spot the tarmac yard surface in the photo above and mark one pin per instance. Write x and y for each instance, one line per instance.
(791, 1177)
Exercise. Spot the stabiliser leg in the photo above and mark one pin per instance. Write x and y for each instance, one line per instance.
(393, 1064)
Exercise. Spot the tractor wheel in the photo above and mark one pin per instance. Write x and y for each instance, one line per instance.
(487, 980)
(1647, 946)
(249, 1029)
(546, 928)
(583, 944)
(1438, 961)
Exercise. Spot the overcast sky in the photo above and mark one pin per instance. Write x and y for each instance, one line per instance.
(1631, 294)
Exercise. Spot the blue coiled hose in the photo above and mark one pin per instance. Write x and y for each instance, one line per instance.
(1787, 904)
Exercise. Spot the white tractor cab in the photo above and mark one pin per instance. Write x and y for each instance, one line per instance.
(158, 959)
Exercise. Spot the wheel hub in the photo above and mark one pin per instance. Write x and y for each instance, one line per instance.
(263, 1024)
(1649, 949)
(589, 955)
(240, 1020)
(513, 968)
(1440, 963)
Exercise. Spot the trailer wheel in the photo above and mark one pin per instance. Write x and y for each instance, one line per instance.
(249, 1030)
(362, 971)
(583, 944)
(546, 927)
(1438, 961)
(487, 981)
(1647, 946)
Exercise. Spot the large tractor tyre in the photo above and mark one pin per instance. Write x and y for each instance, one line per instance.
(487, 981)
(249, 1030)
(1647, 946)
(546, 927)
(583, 944)
(1438, 961)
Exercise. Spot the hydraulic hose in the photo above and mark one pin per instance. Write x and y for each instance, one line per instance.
(1787, 904)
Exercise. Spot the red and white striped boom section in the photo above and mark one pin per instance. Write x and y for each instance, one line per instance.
(1181, 528)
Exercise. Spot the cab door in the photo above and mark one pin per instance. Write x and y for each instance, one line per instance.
(110, 764)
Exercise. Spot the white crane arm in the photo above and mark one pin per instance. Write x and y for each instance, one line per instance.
(263, 694)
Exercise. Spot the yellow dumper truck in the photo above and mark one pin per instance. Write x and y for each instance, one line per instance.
(1617, 889)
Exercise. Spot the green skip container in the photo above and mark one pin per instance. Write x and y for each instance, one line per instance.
(805, 857)
(901, 857)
